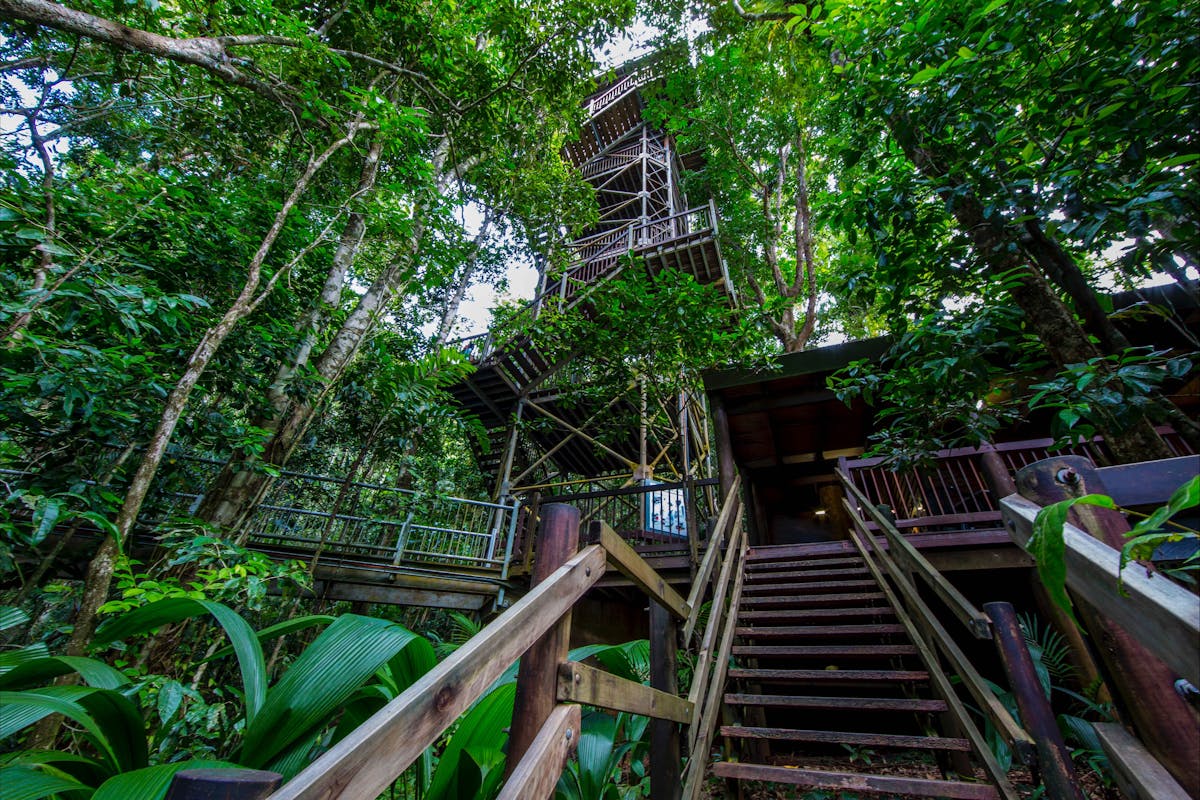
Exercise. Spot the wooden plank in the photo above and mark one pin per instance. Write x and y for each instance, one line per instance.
(1161, 615)
(803, 588)
(538, 772)
(1138, 773)
(801, 631)
(812, 600)
(758, 675)
(847, 737)
(857, 782)
(1148, 482)
(975, 620)
(579, 683)
(826, 651)
(808, 614)
(363, 764)
(710, 556)
(399, 596)
(665, 750)
(706, 714)
(1016, 737)
(836, 703)
(634, 567)
(717, 616)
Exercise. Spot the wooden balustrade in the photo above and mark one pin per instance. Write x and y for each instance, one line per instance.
(546, 725)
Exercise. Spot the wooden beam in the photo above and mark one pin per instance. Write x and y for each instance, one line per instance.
(538, 772)
(1004, 723)
(634, 567)
(1148, 482)
(710, 556)
(1161, 615)
(1138, 773)
(941, 683)
(579, 683)
(976, 621)
(716, 615)
(398, 595)
(362, 765)
(665, 751)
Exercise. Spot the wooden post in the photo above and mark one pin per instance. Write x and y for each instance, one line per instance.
(537, 680)
(664, 734)
(726, 468)
(1054, 759)
(1001, 484)
(223, 784)
(1143, 684)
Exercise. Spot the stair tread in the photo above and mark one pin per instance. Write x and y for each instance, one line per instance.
(815, 598)
(766, 565)
(850, 650)
(805, 588)
(847, 737)
(856, 781)
(816, 675)
(782, 615)
(774, 631)
(759, 577)
(847, 703)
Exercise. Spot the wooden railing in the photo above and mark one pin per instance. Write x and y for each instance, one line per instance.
(1148, 625)
(546, 718)
(896, 566)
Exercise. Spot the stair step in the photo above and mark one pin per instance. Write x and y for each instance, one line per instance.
(762, 557)
(780, 631)
(806, 588)
(793, 615)
(835, 703)
(822, 651)
(855, 781)
(802, 575)
(811, 600)
(848, 737)
(823, 675)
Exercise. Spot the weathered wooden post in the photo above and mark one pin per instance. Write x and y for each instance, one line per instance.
(1143, 684)
(537, 680)
(1001, 484)
(665, 783)
(1054, 759)
(223, 784)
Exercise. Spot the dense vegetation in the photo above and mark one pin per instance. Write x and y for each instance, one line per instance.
(244, 231)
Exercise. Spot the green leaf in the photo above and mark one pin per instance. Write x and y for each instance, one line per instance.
(326, 674)
(966, 53)
(1048, 548)
(28, 782)
(11, 617)
(94, 673)
(1185, 497)
(924, 75)
(150, 783)
(110, 720)
(161, 612)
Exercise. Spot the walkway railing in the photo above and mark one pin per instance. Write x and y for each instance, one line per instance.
(304, 514)
(597, 257)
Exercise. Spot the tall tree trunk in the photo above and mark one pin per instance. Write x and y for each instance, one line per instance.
(999, 247)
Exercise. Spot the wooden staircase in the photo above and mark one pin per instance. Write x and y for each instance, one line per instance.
(830, 689)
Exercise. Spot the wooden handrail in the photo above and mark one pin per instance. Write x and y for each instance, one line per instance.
(712, 631)
(940, 682)
(706, 712)
(579, 683)
(1163, 616)
(633, 566)
(976, 621)
(728, 512)
(537, 773)
(365, 763)
(1009, 729)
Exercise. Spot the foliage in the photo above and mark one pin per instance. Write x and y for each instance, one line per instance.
(114, 761)
(1048, 547)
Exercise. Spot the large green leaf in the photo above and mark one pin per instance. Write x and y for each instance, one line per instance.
(11, 617)
(29, 782)
(150, 783)
(241, 636)
(1049, 550)
(341, 659)
(13, 658)
(39, 671)
(281, 629)
(482, 728)
(110, 721)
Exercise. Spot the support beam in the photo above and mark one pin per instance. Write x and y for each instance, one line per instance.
(579, 683)
(535, 777)
(634, 567)
(664, 733)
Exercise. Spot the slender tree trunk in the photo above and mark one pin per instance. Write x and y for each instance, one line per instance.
(1058, 330)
